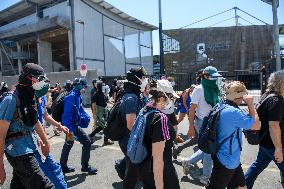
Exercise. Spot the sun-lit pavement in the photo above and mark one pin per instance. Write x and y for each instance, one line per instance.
(103, 157)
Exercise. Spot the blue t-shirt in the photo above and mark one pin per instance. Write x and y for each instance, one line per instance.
(130, 104)
(21, 145)
(231, 120)
(41, 108)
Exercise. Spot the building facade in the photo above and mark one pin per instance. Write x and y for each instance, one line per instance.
(63, 34)
(226, 48)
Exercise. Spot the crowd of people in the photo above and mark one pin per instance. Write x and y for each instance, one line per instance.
(147, 113)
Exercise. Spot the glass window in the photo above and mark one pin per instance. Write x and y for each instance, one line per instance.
(145, 38)
(131, 45)
(114, 58)
(147, 59)
(113, 28)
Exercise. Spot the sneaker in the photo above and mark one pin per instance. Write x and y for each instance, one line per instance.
(179, 139)
(203, 179)
(175, 152)
(185, 167)
(108, 142)
(90, 170)
(67, 169)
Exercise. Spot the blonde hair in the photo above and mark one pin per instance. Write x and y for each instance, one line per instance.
(276, 82)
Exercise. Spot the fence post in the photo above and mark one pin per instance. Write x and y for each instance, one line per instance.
(263, 79)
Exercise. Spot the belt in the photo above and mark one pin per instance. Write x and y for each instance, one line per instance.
(16, 134)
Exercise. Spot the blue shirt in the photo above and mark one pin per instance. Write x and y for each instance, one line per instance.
(73, 110)
(41, 108)
(21, 145)
(231, 120)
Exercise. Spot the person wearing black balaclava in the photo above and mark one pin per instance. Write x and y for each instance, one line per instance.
(19, 127)
(129, 108)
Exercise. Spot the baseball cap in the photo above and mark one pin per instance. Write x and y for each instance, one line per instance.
(166, 87)
(235, 89)
(212, 71)
(80, 81)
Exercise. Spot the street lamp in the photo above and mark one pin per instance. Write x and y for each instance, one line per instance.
(161, 40)
(83, 24)
(275, 4)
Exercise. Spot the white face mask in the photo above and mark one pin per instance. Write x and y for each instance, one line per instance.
(39, 85)
(169, 108)
(143, 84)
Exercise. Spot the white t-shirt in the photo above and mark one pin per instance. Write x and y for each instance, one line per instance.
(203, 108)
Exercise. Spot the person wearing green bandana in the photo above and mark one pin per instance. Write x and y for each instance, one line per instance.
(204, 97)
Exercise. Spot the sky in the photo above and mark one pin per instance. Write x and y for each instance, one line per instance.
(179, 13)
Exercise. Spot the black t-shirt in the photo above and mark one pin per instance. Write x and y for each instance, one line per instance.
(271, 110)
(172, 119)
(100, 99)
(158, 129)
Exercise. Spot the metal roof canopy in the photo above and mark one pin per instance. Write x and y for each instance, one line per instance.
(26, 7)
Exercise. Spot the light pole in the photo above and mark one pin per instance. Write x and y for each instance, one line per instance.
(161, 40)
(275, 4)
(83, 24)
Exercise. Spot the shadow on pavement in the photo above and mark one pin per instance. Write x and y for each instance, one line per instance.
(192, 181)
(75, 180)
(117, 185)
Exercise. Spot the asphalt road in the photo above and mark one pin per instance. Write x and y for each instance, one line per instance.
(103, 157)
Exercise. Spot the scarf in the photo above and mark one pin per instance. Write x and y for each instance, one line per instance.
(211, 91)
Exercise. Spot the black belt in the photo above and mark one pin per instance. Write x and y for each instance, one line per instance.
(17, 134)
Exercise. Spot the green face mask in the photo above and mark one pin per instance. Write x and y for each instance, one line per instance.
(42, 91)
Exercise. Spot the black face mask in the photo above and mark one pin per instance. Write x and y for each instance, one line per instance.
(29, 116)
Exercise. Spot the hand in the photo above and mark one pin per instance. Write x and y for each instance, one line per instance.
(278, 155)
(248, 99)
(191, 132)
(45, 148)
(64, 129)
(2, 174)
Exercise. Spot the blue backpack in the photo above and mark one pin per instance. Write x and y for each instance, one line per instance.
(136, 149)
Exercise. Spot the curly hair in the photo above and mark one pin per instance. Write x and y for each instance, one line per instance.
(276, 82)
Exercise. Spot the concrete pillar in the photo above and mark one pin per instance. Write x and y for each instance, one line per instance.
(44, 55)
(71, 54)
(19, 60)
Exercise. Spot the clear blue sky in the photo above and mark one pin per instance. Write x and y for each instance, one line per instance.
(178, 13)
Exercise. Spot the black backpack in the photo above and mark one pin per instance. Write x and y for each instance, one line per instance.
(207, 139)
(115, 129)
(253, 137)
(57, 107)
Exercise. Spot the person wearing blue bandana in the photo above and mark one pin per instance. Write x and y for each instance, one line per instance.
(75, 118)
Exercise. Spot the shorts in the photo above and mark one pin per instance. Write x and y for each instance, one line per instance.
(222, 177)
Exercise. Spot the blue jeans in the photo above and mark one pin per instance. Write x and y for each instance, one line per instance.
(84, 139)
(264, 157)
(199, 155)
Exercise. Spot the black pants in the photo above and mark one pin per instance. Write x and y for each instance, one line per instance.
(222, 177)
(27, 173)
(147, 175)
(84, 139)
(97, 130)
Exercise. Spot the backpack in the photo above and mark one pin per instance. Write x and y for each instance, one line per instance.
(207, 141)
(57, 107)
(253, 137)
(136, 149)
(114, 129)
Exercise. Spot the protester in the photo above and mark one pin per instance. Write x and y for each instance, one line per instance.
(271, 115)
(226, 163)
(19, 127)
(157, 170)
(146, 95)
(56, 91)
(49, 166)
(129, 108)
(3, 90)
(94, 89)
(75, 118)
(204, 97)
(99, 107)
(184, 105)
